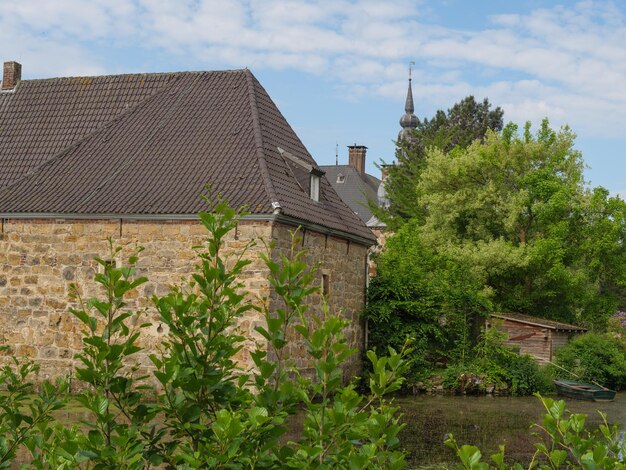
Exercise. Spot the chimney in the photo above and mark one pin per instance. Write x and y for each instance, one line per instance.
(356, 157)
(384, 171)
(11, 74)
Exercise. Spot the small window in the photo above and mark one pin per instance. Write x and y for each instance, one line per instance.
(315, 187)
(341, 178)
(325, 285)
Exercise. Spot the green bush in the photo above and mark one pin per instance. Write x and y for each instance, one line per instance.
(422, 295)
(496, 364)
(594, 357)
(525, 377)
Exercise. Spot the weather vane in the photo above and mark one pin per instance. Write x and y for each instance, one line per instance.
(410, 68)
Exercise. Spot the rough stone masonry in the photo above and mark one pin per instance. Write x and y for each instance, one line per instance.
(40, 258)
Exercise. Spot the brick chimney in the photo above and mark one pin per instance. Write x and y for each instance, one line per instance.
(11, 74)
(384, 171)
(356, 157)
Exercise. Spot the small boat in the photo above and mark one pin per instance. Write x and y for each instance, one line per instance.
(583, 391)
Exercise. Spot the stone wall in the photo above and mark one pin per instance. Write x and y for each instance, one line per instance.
(39, 259)
(344, 263)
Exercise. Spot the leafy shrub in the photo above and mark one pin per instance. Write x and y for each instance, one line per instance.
(595, 357)
(495, 363)
(525, 377)
(26, 421)
(425, 296)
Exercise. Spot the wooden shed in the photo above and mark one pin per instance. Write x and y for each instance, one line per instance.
(538, 337)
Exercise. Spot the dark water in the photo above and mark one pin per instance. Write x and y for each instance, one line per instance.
(485, 422)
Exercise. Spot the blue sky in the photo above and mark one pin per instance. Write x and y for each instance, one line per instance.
(338, 68)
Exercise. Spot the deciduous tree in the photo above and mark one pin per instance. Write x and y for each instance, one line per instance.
(465, 122)
(517, 209)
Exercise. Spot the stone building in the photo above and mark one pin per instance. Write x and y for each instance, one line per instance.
(127, 157)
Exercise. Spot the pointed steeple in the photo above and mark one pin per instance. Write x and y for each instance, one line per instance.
(409, 108)
(408, 121)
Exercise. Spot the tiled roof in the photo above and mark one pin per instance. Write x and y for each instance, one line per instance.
(354, 189)
(530, 320)
(148, 144)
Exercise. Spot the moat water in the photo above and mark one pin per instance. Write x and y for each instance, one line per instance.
(485, 422)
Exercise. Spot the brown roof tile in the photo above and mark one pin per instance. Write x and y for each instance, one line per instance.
(148, 144)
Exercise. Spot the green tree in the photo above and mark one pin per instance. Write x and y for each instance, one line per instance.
(424, 295)
(465, 122)
(517, 210)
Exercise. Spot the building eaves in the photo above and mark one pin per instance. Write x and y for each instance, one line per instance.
(535, 321)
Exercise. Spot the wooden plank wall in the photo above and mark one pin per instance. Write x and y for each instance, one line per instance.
(530, 339)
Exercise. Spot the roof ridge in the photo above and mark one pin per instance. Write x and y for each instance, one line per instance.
(67, 150)
(258, 138)
(135, 74)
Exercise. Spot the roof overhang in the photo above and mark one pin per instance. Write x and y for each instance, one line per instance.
(558, 327)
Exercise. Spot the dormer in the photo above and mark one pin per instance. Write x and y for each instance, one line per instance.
(300, 169)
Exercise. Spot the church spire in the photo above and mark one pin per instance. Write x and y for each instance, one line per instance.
(408, 121)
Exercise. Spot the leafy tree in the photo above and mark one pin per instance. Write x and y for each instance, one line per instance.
(511, 226)
(424, 295)
(467, 121)
(516, 209)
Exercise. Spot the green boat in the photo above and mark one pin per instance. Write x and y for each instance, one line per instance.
(583, 391)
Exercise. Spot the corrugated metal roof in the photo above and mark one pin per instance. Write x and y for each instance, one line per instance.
(148, 144)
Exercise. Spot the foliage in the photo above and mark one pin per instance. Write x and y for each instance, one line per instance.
(422, 295)
(120, 434)
(494, 363)
(204, 389)
(510, 225)
(516, 209)
(466, 121)
(26, 421)
(210, 412)
(563, 441)
(594, 357)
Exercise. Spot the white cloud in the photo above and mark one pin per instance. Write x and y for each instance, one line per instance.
(566, 62)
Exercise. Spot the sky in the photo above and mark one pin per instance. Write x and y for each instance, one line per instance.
(338, 69)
